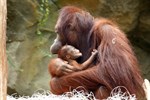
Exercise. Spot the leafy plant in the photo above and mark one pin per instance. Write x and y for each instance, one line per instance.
(45, 10)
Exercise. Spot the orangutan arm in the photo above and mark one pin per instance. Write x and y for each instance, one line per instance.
(57, 67)
(89, 61)
(72, 81)
(86, 64)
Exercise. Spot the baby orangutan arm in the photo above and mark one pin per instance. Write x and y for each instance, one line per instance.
(86, 64)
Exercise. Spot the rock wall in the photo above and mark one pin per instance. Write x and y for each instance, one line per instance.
(27, 50)
(28, 39)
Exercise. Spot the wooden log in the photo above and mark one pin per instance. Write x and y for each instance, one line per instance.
(3, 61)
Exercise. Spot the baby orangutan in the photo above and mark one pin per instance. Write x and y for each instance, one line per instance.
(68, 55)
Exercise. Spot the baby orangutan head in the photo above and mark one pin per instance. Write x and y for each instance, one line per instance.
(69, 52)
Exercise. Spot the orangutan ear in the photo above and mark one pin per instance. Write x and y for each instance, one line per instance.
(68, 56)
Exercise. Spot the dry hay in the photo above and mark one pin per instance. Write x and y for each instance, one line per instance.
(116, 94)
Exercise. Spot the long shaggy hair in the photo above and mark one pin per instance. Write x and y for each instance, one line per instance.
(116, 64)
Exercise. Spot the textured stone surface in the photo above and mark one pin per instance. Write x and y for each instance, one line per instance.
(28, 51)
(124, 12)
(144, 26)
(144, 58)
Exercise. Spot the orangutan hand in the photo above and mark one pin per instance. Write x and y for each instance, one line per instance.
(65, 69)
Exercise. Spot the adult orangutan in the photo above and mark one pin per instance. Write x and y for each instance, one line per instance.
(115, 65)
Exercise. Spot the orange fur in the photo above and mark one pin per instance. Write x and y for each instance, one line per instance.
(116, 64)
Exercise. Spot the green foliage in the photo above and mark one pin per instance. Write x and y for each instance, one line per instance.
(45, 10)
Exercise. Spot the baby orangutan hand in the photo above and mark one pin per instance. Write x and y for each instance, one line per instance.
(94, 52)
